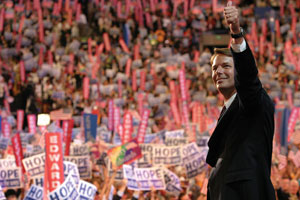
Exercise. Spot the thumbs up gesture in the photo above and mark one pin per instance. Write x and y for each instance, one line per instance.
(231, 15)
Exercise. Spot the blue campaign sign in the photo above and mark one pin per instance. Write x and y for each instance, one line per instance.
(86, 190)
(34, 193)
(90, 126)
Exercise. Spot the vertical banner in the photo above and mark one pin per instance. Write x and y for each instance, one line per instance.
(134, 85)
(18, 151)
(20, 119)
(136, 50)
(54, 159)
(2, 12)
(41, 56)
(116, 118)
(142, 79)
(106, 42)
(182, 82)
(31, 119)
(127, 127)
(124, 46)
(6, 129)
(140, 103)
(143, 126)
(90, 126)
(86, 86)
(111, 115)
(128, 66)
(67, 134)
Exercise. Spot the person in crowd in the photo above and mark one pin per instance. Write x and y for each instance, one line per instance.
(240, 148)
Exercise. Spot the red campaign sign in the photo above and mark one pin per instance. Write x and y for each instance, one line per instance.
(143, 126)
(106, 42)
(54, 159)
(196, 56)
(142, 79)
(128, 66)
(182, 84)
(20, 119)
(136, 52)
(127, 127)
(120, 131)
(292, 122)
(6, 129)
(124, 46)
(134, 85)
(2, 12)
(18, 151)
(140, 103)
(21, 24)
(173, 91)
(175, 113)
(41, 56)
(111, 115)
(116, 118)
(67, 137)
(31, 119)
(86, 85)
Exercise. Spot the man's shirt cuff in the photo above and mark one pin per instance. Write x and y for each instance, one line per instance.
(239, 47)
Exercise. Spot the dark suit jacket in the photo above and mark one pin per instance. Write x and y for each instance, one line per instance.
(240, 148)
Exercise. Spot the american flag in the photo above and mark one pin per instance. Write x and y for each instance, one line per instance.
(61, 114)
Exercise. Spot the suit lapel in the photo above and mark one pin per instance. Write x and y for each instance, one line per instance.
(216, 142)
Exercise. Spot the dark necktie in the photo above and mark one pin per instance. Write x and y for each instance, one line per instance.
(222, 112)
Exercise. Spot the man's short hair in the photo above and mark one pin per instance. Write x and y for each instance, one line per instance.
(220, 51)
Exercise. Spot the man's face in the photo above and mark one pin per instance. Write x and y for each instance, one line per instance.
(223, 73)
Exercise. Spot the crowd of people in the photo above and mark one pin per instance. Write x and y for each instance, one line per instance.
(79, 56)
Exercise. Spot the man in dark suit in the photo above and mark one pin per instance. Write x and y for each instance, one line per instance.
(240, 148)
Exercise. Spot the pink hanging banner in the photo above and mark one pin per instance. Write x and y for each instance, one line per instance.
(128, 66)
(175, 113)
(142, 79)
(182, 82)
(54, 160)
(21, 24)
(18, 151)
(127, 127)
(143, 126)
(6, 129)
(120, 88)
(152, 6)
(22, 71)
(20, 120)
(136, 52)
(134, 85)
(55, 11)
(124, 46)
(106, 42)
(78, 12)
(31, 119)
(111, 115)
(292, 122)
(67, 134)
(117, 118)
(140, 103)
(2, 12)
(86, 86)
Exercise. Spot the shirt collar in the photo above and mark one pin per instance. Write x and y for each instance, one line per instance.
(229, 101)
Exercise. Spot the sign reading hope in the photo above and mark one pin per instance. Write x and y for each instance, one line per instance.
(35, 192)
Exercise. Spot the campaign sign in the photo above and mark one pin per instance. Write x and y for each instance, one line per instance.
(146, 178)
(6, 129)
(38, 181)
(11, 177)
(34, 193)
(20, 119)
(127, 128)
(31, 123)
(7, 163)
(79, 150)
(128, 172)
(143, 126)
(54, 160)
(175, 133)
(66, 191)
(111, 115)
(18, 151)
(167, 155)
(202, 141)
(71, 169)
(125, 154)
(86, 190)
(189, 151)
(172, 182)
(194, 165)
(90, 126)
(83, 164)
(35, 165)
(67, 134)
(145, 161)
(2, 195)
(105, 135)
(175, 141)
